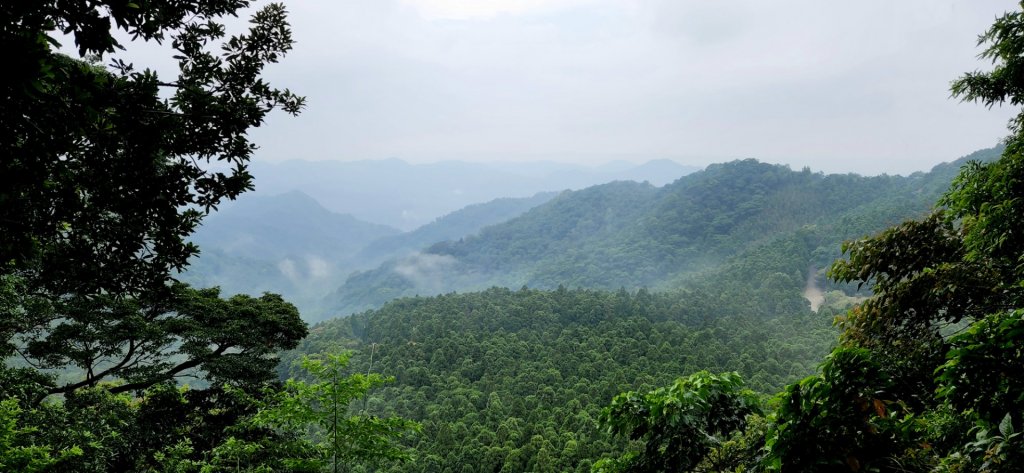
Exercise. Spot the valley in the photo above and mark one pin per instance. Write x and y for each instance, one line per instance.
(509, 236)
(763, 220)
(507, 335)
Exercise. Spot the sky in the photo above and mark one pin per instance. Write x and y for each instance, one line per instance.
(837, 86)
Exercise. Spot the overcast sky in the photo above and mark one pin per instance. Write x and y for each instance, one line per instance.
(838, 86)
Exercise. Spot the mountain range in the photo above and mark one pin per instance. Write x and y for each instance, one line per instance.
(786, 224)
(740, 220)
(406, 195)
(310, 224)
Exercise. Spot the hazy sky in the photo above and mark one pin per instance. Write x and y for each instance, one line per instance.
(838, 86)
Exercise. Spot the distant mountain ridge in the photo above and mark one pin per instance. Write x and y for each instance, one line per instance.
(731, 218)
(628, 234)
(407, 196)
(290, 244)
(288, 224)
(461, 223)
(287, 244)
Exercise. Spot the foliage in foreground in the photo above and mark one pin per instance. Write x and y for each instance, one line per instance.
(108, 170)
(322, 408)
(303, 426)
(679, 424)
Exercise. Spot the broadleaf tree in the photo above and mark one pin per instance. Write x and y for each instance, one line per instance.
(107, 168)
(679, 424)
(327, 407)
(942, 333)
(105, 174)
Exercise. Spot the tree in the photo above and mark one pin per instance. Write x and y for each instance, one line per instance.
(836, 421)
(16, 456)
(115, 362)
(322, 408)
(679, 424)
(148, 340)
(105, 174)
(106, 170)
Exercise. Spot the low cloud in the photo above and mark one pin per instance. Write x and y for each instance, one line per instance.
(426, 270)
(289, 269)
(310, 269)
(319, 268)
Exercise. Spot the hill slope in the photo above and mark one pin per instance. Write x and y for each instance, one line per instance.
(290, 244)
(514, 380)
(286, 225)
(287, 244)
(461, 223)
(626, 234)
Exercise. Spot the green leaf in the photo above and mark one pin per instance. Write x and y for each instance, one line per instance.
(1006, 425)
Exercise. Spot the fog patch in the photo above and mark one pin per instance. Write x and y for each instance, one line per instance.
(319, 268)
(425, 270)
(288, 269)
(813, 292)
(310, 269)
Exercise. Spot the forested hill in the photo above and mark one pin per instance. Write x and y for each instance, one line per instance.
(627, 234)
(287, 244)
(508, 380)
(291, 245)
(463, 222)
(286, 225)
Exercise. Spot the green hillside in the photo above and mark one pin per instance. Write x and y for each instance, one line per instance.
(632, 235)
(508, 380)
(286, 244)
(461, 223)
(515, 380)
(291, 245)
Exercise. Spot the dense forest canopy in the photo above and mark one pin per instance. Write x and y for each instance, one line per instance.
(508, 380)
